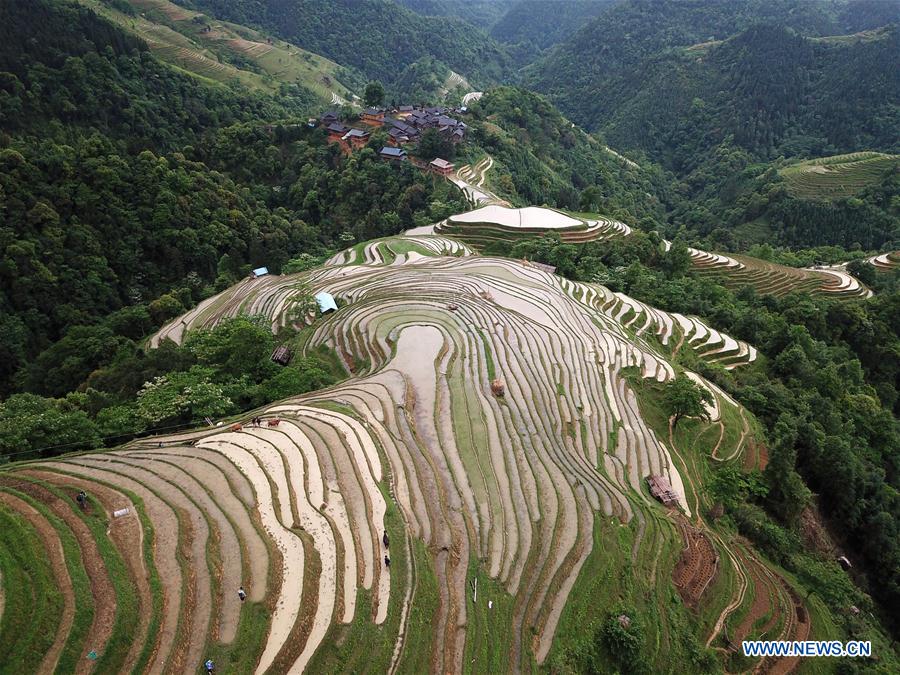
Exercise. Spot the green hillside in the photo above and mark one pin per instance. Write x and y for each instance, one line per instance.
(837, 176)
(757, 80)
(377, 37)
(531, 26)
(220, 51)
(480, 13)
(124, 180)
(542, 158)
(606, 400)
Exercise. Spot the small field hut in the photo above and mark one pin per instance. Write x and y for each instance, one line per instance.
(282, 355)
(326, 302)
(662, 490)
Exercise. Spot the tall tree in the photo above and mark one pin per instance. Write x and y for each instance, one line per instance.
(684, 398)
(374, 94)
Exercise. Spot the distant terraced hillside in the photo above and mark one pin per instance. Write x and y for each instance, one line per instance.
(774, 279)
(221, 51)
(510, 518)
(837, 176)
(886, 261)
(494, 223)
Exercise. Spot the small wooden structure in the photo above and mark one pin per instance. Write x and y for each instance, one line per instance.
(282, 355)
(356, 138)
(336, 131)
(497, 387)
(441, 166)
(392, 154)
(662, 490)
(372, 116)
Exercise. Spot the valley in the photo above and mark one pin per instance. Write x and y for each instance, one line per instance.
(476, 336)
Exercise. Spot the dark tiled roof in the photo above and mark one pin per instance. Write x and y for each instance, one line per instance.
(357, 133)
(392, 152)
(373, 111)
(337, 128)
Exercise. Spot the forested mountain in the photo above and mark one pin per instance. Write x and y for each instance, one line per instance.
(126, 186)
(481, 13)
(377, 37)
(531, 26)
(542, 159)
(714, 91)
(767, 90)
(605, 65)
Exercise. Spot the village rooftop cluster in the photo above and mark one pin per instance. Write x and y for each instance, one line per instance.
(405, 124)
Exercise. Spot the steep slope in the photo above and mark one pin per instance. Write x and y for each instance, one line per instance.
(627, 53)
(377, 37)
(419, 457)
(770, 91)
(531, 26)
(542, 158)
(222, 52)
(481, 13)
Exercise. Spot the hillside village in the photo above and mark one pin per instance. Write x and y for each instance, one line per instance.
(405, 126)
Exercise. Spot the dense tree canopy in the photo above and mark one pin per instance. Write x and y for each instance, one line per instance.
(143, 194)
(377, 37)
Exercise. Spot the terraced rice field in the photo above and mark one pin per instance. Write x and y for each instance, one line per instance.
(418, 458)
(837, 176)
(180, 37)
(496, 222)
(471, 97)
(470, 179)
(885, 262)
(771, 278)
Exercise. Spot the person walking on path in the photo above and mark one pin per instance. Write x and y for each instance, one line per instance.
(241, 594)
(209, 666)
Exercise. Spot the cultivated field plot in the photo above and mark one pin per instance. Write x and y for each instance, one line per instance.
(886, 261)
(495, 222)
(837, 176)
(487, 427)
(201, 45)
(774, 279)
(471, 179)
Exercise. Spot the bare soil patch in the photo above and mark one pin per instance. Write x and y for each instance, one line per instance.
(697, 566)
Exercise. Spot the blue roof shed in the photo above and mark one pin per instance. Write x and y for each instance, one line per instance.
(326, 302)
